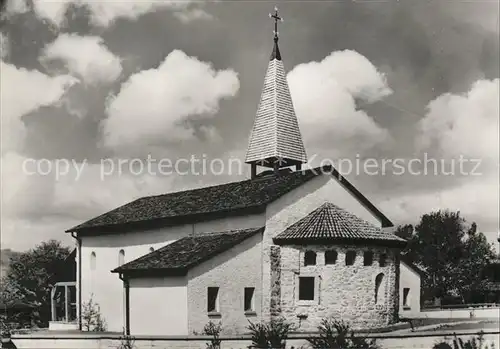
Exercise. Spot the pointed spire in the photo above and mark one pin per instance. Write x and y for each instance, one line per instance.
(275, 140)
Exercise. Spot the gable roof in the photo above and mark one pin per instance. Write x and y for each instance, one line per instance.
(331, 224)
(181, 255)
(275, 133)
(235, 198)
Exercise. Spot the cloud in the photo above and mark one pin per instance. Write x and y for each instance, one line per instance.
(157, 104)
(28, 90)
(38, 200)
(325, 93)
(4, 46)
(13, 7)
(104, 13)
(464, 124)
(84, 56)
(460, 125)
(193, 14)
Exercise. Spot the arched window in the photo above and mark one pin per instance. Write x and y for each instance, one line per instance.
(92, 261)
(151, 249)
(310, 258)
(121, 257)
(379, 289)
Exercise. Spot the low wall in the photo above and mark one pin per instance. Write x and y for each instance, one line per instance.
(89, 341)
(473, 313)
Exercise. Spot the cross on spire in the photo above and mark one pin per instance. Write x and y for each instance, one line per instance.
(276, 18)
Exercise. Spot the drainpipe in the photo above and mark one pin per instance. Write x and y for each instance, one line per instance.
(79, 271)
(126, 285)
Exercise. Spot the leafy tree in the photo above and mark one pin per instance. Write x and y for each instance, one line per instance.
(29, 278)
(452, 252)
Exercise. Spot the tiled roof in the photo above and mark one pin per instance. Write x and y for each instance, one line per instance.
(180, 256)
(236, 198)
(276, 132)
(331, 224)
(198, 203)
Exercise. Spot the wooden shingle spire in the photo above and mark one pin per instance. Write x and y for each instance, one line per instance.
(275, 140)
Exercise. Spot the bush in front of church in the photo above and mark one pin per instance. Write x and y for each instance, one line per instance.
(270, 335)
(337, 334)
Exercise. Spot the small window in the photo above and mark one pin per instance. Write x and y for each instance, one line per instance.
(350, 257)
(331, 257)
(368, 258)
(310, 258)
(249, 296)
(306, 288)
(151, 249)
(92, 261)
(382, 260)
(213, 300)
(406, 294)
(121, 257)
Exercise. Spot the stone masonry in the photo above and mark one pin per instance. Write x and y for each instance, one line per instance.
(346, 292)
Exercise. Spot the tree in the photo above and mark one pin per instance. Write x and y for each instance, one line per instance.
(452, 252)
(29, 278)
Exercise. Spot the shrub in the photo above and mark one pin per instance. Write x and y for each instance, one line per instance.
(334, 334)
(272, 334)
(459, 343)
(127, 342)
(213, 330)
(92, 319)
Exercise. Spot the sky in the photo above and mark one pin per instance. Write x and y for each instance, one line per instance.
(93, 90)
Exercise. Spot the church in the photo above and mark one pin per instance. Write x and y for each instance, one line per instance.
(303, 244)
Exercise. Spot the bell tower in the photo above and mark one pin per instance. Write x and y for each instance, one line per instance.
(275, 140)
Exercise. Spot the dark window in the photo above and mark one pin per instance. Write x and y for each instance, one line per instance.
(378, 284)
(330, 257)
(213, 299)
(249, 292)
(310, 258)
(368, 258)
(350, 257)
(406, 292)
(382, 260)
(306, 288)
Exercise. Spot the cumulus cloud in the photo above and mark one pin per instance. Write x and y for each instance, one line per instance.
(104, 13)
(460, 125)
(84, 56)
(38, 199)
(27, 91)
(464, 124)
(325, 94)
(157, 104)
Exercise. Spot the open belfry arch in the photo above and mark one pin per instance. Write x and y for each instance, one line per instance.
(275, 140)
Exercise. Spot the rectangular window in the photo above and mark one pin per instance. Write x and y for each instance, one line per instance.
(350, 257)
(382, 260)
(368, 258)
(213, 300)
(249, 298)
(330, 257)
(306, 288)
(406, 294)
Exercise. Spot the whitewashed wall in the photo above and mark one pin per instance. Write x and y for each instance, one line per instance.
(158, 306)
(411, 279)
(107, 288)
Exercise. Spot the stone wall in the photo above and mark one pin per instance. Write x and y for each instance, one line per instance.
(342, 291)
